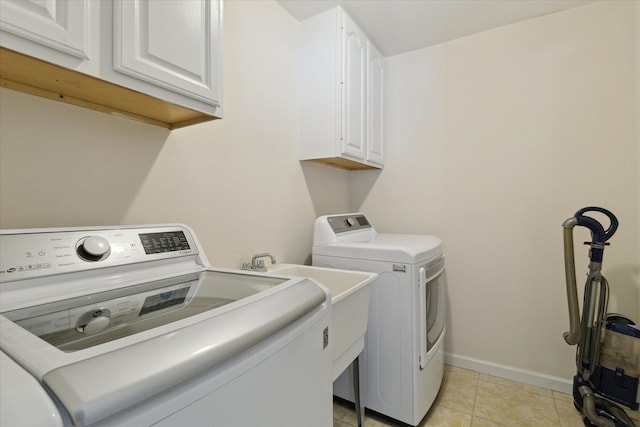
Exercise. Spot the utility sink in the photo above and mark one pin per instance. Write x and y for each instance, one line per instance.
(350, 306)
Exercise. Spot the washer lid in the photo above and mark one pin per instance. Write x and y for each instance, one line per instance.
(97, 382)
(405, 248)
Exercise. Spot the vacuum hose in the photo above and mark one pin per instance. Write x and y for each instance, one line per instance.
(573, 335)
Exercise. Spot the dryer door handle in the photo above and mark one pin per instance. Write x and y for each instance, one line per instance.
(422, 316)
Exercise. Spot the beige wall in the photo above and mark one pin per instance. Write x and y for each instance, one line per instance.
(236, 181)
(493, 140)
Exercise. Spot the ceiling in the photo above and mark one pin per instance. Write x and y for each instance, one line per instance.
(398, 26)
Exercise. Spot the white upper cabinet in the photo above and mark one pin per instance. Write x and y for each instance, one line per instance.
(375, 146)
(45, 29)
(354, 90)
(158, 61)
(341, 75)
(170, 44)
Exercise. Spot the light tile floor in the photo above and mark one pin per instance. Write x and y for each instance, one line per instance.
(471, 399)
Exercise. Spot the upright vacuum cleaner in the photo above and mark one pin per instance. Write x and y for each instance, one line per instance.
(608, 353)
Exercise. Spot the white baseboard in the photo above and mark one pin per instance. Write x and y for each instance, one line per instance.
(562, 385)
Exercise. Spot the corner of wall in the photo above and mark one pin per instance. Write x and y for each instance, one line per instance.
(637, 118)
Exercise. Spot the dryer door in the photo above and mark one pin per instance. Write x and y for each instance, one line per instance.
(432, 302)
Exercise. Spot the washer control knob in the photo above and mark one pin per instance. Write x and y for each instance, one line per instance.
(93, 321)
(93, 248)
(96, 325)
(351, 222)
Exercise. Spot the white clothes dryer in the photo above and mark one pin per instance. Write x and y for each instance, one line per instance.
(403, 359)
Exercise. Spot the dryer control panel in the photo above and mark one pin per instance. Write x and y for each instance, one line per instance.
(344, 223)
(330, 229)
(28, 254)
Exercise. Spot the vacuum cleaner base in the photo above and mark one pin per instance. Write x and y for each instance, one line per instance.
(596, 410)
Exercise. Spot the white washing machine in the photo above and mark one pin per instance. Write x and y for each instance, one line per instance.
(403, 359)
(23, 401)
(129, 326)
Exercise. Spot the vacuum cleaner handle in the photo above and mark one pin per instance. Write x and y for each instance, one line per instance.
(598, 236)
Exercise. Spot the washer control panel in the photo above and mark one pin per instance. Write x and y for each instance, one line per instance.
(30, 254)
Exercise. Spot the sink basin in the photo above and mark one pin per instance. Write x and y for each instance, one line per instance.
(350, 306)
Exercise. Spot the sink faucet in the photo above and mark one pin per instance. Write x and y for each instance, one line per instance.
(257, 264)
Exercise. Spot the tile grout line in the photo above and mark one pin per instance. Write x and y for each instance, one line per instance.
(555, 405)
(475, 396)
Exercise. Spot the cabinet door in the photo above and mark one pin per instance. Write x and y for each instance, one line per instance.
(171, 44)
(375, 142)
(62, 25)
(354, 89)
